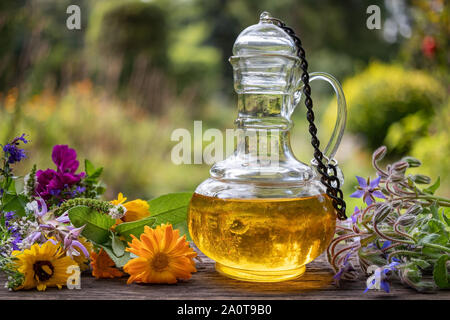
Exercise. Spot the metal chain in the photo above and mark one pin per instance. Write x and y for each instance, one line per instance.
(331, 182)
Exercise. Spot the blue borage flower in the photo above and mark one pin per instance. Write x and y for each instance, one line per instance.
(356, 214)
(368, 190)
(381, 276)
(346, 267)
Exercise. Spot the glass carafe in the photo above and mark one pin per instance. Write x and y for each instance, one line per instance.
(263, 215)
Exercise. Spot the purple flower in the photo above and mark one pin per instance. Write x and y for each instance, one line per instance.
(13, 152)
(356, 214)
(78, 191)
(386, 244)
(381, 277)
(34, 237)
(346, 267)
(13, 230)
(64, 218)
(39, 207)
(16, 241)
(368, 190)
(52, 183)
(9, 216)
(71, 243)
(65, 159)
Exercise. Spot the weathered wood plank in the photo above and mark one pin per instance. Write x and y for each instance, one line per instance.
(316, 283)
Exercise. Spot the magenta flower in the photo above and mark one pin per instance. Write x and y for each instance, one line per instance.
(53, 183)
(65, 159)
(368, 190)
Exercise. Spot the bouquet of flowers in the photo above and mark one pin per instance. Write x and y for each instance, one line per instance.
(54, 221)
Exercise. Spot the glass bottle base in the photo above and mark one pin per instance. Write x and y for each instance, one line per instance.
(259, 276)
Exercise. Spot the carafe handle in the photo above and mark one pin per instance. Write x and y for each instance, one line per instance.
(338, 131)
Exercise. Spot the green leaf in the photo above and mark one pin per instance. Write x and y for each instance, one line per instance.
(14, 202)
(440, 228)
(92, 173)
(135, 228)
(430, 238)
(88, 167)
(432, 189)
(96, 174)
(421, 263)
(440, 274)
(184, 230)
(97, 225)
(117, 245)
(432, 253)
(172, 208)
(373, 256)
(118, 261)
(168, 202)
(364, 242)
(10, 185)
(447, 220)
(413, 273)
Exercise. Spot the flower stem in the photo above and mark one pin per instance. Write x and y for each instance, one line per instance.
(441, 201)
(403, 252)
(436, 246)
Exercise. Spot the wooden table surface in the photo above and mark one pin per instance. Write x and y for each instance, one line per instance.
(206, 283)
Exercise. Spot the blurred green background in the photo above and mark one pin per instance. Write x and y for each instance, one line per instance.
(116, 89)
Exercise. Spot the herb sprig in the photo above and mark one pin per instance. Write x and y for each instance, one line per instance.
(405, 236)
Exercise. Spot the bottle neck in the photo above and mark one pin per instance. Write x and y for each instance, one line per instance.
(264, 111)
(263, 152)
(265, 126)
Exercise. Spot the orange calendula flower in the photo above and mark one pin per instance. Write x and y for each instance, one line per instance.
(103, 266)
(163, 256)
(136, 209)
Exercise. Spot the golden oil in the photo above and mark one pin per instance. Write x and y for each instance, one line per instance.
(262, 239)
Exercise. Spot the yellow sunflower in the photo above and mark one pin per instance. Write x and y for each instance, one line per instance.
(163, 256)
(43, 266)
(136, 209)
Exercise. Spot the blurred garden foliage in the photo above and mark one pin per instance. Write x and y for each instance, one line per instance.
(116, 89)
(390, 104)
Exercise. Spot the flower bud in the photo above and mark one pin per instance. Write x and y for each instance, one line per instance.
(414, 210)
(421, 179)
(379, 153)
(382, 211)
(396, 177)
(413, 162)
(406, 220)
(396, 203)
(400, 166)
